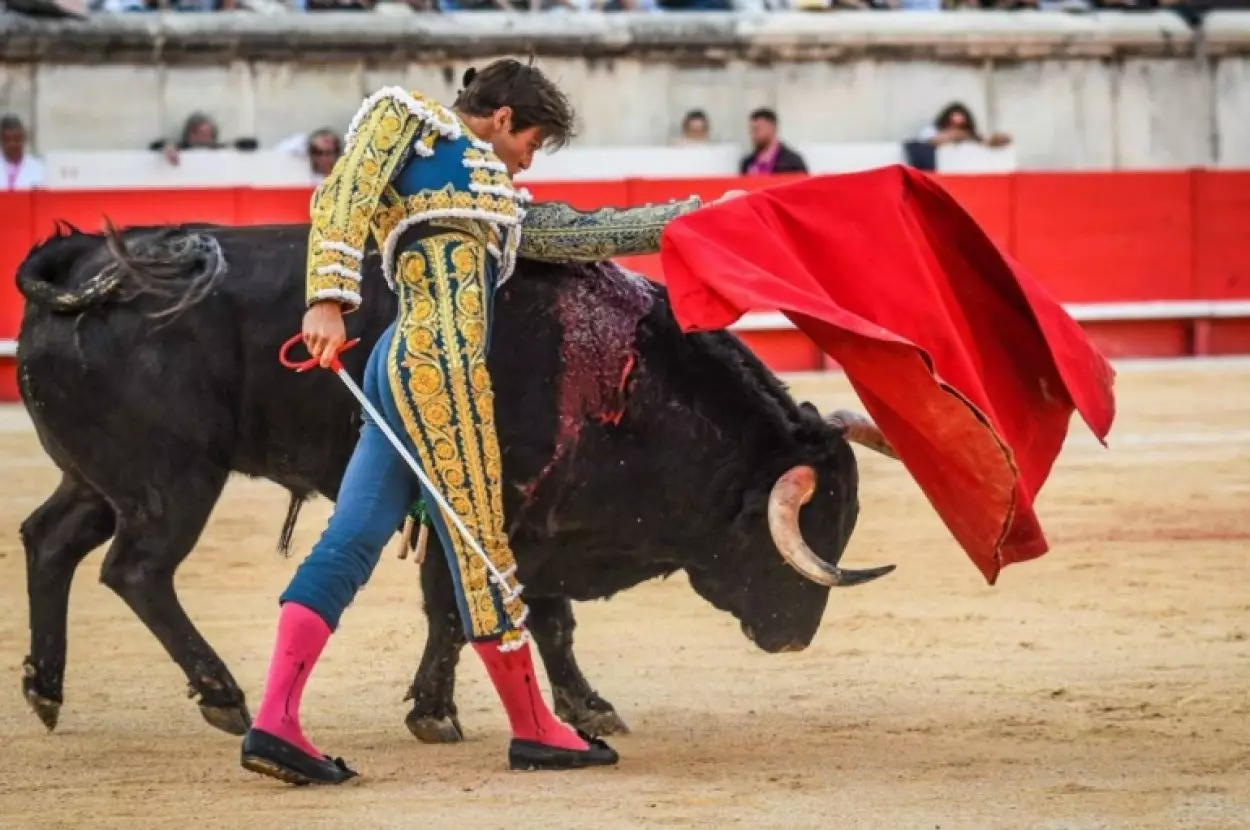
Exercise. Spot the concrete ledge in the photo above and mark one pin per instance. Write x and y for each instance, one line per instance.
(1226, 33)
(706, 38)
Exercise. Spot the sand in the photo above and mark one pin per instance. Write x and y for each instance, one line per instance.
(1104, 685)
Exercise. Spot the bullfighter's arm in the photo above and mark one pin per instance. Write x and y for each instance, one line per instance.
(555, 232)
(344, 204)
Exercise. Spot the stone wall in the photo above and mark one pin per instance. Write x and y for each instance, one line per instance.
(1103, 91)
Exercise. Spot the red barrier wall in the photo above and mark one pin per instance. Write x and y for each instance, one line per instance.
(1221, 234)
(1104, 237)
(1089, 237)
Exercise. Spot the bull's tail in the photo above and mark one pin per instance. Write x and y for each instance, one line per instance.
(177, 267)
(39, 275)
(174, 265)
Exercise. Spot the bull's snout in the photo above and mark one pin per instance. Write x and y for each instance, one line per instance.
(774, 646)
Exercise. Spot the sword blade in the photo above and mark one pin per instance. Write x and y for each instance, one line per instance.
(416, 468)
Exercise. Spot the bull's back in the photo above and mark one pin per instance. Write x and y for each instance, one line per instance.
(104, 384)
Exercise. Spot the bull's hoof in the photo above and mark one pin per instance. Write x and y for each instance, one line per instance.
(48, 710)
(233, 720)
(600, 723)
(431, 730)
(594, 715)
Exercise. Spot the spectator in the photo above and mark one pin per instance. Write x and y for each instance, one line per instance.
(198, 133)
(696, 5)
(338, 5)
(322, 148)
(120, 6)
(770, 155)
(22, 171)
(694, 128)
(622, 5)
(955, 124)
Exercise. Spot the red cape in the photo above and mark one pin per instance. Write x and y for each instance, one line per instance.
(970, 369)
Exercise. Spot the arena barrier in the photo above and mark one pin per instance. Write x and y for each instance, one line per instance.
(1151, 264)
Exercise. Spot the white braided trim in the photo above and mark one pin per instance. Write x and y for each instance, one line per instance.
(524, 195)
(342, 249)
(493, 250)
(342, 295)
(435, 115)
(486, 164)
(520, 642)
(388, 248)
(484, 146)
(496, 190)
(342, 271)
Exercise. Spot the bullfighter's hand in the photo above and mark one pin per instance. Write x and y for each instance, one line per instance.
(324, 332)
(730, 194)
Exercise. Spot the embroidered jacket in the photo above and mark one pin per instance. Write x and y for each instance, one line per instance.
(375, 189)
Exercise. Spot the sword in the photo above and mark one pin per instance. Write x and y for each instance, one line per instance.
(337, 366)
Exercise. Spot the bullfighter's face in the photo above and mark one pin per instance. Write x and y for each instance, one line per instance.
(515, 149)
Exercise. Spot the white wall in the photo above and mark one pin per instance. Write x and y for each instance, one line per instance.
(102, 169)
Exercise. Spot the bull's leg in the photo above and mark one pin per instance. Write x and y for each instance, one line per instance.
(57, 536)
(433, 717)
(151, 542)
(551, 622)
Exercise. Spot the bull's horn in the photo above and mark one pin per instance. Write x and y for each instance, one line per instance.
(793, 490)
(862, 431)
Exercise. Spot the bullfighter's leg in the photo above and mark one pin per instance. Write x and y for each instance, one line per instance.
(154, 534)
(375, 493)
(442, 394)
(552, 623)
(57, 536)
(434, 719)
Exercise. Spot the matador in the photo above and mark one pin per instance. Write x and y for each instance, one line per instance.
(433, 186)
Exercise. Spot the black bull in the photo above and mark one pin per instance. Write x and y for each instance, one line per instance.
(148, 362)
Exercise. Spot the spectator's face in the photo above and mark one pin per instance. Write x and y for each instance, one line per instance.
(763, 132)
(322, 153)
(202, 135)
(12, 142)
(957, 121)
(695, 130)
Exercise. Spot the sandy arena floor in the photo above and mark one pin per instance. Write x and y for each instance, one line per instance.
(1105, 685)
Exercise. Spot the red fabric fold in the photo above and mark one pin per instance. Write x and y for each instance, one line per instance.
(969, 367)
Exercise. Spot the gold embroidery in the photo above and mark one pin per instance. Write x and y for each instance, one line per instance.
(346, 201)
(438, 369)
(357, 198)
(445, 204)
(470, 227)
(555, 232)
(489, 178)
